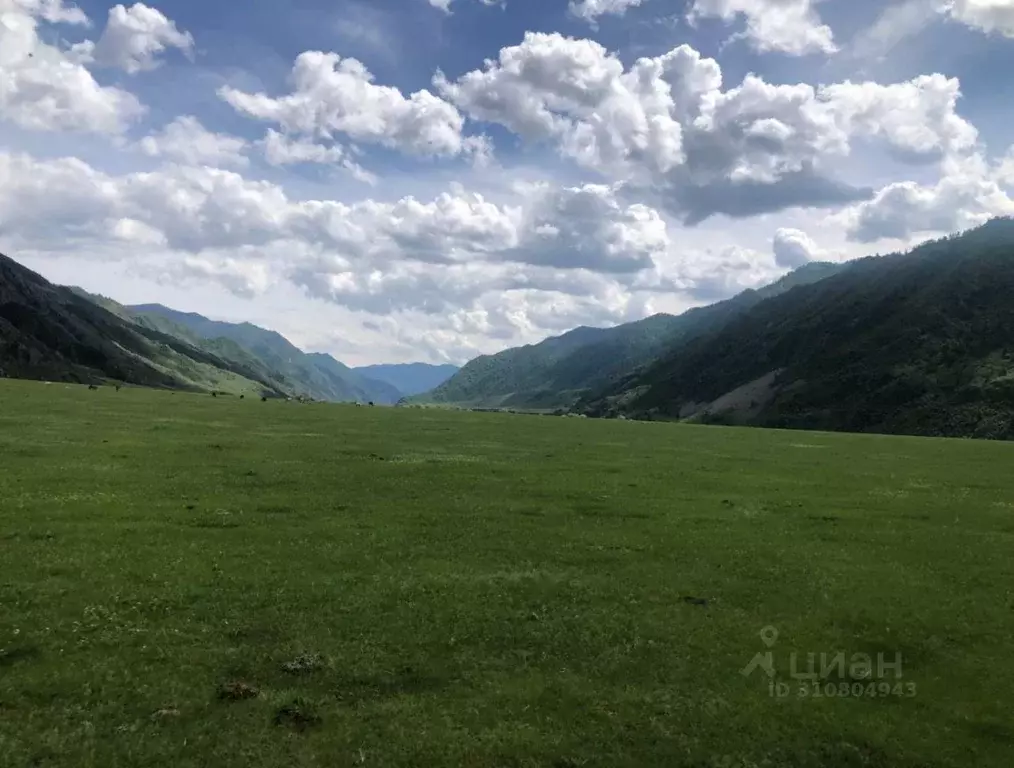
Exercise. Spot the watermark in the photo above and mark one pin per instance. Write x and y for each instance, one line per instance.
(829, 675)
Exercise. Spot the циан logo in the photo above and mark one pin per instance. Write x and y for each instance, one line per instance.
(823, 674)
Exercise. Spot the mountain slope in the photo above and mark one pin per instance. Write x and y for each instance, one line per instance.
(319, 376)
(409, 378)
(560, 370)
(371, 389)
(56, 333)
(919, 343)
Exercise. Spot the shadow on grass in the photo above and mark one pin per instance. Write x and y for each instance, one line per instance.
(12, 656)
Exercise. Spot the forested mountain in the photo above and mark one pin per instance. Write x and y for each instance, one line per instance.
(560, 370)
(919, 343)
(59, 334)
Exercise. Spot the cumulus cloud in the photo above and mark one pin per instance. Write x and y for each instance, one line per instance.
(134, 38)
(1005, 169)
(46, 88)
(987, 15)
(282, 150)
(666, 126)
(576, 93)
(185, 140)
(590, 10)
(786, 26)
(244, 277)
(969, 193)
(793, 248)
(588, 227)
(198, 208)
(547, 259)
(331, 94)
(720, 273)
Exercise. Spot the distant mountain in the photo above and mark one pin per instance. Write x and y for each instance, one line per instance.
(409, 378)
(917, 343)
(60, 334)
(373, 389)
(318, 376)
(558, 371)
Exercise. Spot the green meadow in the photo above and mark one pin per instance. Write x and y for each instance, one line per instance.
(193, 581)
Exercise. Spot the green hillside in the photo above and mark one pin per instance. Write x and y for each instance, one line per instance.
(557, 372)
(319, 376)
(58, 334)
(919, 342)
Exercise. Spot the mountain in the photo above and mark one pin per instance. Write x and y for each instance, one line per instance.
(409, 378)
(916, 343)
(372, 389)
(59, 334)
(559, 371)
(316, 375)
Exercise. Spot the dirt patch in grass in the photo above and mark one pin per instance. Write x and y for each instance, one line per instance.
(304, 664)
(237, 690)
(166, 713)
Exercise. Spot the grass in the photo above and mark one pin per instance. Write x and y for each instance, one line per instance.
(196, 581)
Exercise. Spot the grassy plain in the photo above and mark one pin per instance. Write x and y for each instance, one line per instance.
(193, 581)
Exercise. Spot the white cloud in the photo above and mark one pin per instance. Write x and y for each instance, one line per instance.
(719, 273)
(968, 193)
(134, 38)
(187, 141)
(786, 26)
(51, 11)
(986, 15)
(794, 248)
(282, 150)
(904, 19)
(46, 88)
(666, 126)
(199, 208)
(590, 10)
(918, 116)
(331, 94)
(246, 278)
(590, 228)
(445, 5)
(577, 94)
(1005, 169)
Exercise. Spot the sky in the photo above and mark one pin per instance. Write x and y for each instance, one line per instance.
(430, 180)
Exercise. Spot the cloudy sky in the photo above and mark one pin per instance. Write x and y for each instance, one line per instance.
(396, 180)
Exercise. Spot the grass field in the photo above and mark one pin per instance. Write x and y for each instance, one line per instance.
(196, 581)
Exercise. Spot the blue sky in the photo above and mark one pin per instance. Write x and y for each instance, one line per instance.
(605, 166)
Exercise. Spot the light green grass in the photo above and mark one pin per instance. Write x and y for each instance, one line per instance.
(485, 589)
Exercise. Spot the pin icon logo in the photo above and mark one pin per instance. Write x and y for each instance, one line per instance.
(765, 660)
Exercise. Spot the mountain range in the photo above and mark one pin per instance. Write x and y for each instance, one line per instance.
(66, 334)
(558, 372)
(917, 343)
(920, 342)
